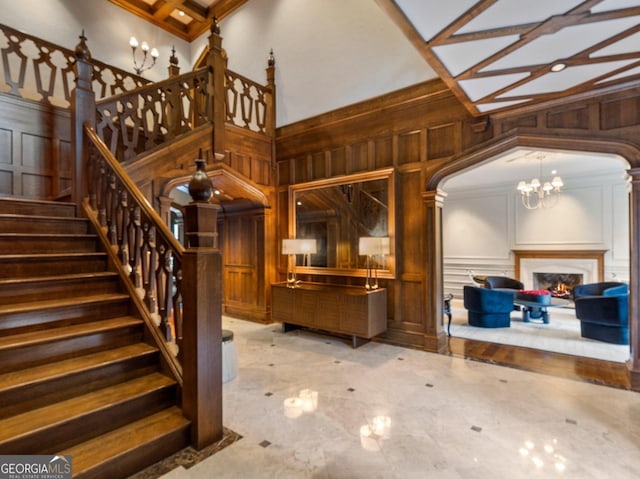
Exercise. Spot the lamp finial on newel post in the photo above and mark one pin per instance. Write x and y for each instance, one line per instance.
(200, 186)
(202, 300)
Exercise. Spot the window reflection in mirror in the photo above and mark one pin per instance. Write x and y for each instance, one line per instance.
(336, 213)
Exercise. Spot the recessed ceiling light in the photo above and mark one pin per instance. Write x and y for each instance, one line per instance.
(181, 13)
(558, 67)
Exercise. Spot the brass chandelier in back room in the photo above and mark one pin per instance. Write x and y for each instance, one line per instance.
(535, 194)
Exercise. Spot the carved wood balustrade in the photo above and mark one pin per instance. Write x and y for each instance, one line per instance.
(246, 102)
(146, 249)
(35, 69)
(139, 120)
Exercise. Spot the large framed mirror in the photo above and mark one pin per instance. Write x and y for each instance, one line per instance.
(336, 213)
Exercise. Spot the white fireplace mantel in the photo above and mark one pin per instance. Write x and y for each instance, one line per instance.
(589, 263)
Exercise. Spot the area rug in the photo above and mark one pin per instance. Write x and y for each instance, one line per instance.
(561, 335)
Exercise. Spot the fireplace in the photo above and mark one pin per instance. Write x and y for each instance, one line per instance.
(559, 284)
(559, 269)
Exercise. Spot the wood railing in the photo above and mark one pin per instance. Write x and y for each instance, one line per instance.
(177, 290)
(139, 120)
(247, 103)
(35, 69)
(133, 114)
(147, 251)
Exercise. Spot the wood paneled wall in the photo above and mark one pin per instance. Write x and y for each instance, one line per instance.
(426, 135)
(35, 149)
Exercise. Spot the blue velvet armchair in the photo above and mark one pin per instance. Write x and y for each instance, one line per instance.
(502, 282)
(488, 308)
(606, 288)
(603, 311)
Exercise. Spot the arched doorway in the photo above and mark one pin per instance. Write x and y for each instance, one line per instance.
(580, 235)
(434, 198)
(243, 221)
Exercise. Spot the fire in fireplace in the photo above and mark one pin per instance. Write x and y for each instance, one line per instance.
(559, 284)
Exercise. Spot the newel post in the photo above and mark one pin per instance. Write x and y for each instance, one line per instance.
(202, 323)
(270, 126)
(217, 64)
(83, 110)
(271, 99)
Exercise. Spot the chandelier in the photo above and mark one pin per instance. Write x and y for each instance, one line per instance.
(535, 194)
(143, 66)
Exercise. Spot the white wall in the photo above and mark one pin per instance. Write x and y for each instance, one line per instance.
(483, 225)
(329, 53)
(107, 28)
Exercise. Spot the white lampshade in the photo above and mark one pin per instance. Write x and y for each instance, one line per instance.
(299, 246)
(370, 245)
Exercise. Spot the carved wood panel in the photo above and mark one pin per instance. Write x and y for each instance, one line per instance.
(426, 139)
(35, 153)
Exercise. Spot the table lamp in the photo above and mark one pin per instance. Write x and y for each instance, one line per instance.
(372, 246)
(293, 247)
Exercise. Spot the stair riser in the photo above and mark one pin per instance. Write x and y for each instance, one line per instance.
(33, 355)
(32, 396)
(26, 224)
(55, 317)
(53, 439)
(57, 289)
(17, 207)
(124, 466)
(26, 244)
(29, 267)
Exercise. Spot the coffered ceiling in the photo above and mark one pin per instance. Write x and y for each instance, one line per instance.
(186, 19)
(493, 54)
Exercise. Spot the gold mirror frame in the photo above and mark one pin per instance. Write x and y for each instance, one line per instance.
(386, 270)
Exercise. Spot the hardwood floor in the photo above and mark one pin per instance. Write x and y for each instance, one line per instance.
(555, 364)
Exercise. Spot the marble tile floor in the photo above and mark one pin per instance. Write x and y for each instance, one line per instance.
(384, 411)
(560, 335)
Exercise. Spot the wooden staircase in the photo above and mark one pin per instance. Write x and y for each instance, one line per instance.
(76, 375)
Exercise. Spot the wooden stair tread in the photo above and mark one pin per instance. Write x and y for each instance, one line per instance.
(47, 235)
(59, 277)
(29, 217)
(60, 303)
(58, 256)
(51, 371)
(36, 201)
(75, 408)
(65, 332)
(101, 449)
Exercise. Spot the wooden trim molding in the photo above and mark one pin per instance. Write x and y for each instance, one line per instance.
(597, 254)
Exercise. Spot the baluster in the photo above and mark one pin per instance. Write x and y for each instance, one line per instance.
(246, 104)
(123, 227)
(135, 246)
(129, 108)
(112, 210)
(161, 289)
(44, 59)
(14, 48)
(92, 173)
(168, 295)
(177, 306)
(102, 194)
(152, 296)
(147, 259)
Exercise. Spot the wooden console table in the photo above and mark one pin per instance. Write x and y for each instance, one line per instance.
(348, 310)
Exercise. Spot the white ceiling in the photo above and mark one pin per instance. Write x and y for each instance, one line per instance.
(525, 164)
(496, 54)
